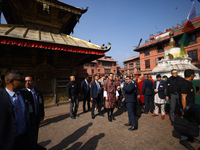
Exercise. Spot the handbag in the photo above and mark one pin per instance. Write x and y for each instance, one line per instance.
(185, 126)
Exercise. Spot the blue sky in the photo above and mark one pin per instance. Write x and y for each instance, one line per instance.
(124, 22)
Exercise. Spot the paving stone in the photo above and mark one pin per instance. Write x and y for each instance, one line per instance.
(58, 131)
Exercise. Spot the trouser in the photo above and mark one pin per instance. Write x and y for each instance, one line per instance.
(148, 99)
(86, 98)
(119, 102)
(131, 115)
(98, 101)
(135, 107)
(173, 101)
(74, 102)
(162, 107)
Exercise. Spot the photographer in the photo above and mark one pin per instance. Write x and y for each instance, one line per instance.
(187, 97)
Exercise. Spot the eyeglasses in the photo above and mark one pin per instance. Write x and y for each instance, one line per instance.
(21, 80)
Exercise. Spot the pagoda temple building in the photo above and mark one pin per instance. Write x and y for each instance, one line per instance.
(37, 41)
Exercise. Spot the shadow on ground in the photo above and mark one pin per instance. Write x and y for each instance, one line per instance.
(72, 138)
(54, 120)
(45, 143)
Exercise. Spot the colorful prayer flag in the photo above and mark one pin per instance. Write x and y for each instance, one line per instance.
(189, 28)
(183, 54)
(192, 13)
(185, 40)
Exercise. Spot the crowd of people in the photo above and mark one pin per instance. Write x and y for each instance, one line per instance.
(113, 92)
(22, 105)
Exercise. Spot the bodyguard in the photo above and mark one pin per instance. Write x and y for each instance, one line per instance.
(173, 92)
(72, 91)
(37, 97)
(130, 100)
(95, 94)
(147, 91)
(85, 91)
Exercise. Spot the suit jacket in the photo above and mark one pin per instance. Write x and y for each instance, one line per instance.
(137, 92)
(84, 90)
(8, 122)
(40, 110)
(178, 82)
(94, 90)
(161, 88)
(129, 93)
(147, 88)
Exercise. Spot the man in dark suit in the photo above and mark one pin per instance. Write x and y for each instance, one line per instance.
(37, 98)
(95, 96)
(147, 91)
(17, 116)
(137, 93)
(130, 102)
(85, 91)
(73, 93)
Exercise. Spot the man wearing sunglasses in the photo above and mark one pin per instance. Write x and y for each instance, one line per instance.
(17, 116)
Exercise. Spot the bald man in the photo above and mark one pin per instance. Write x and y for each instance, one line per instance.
(73, 92)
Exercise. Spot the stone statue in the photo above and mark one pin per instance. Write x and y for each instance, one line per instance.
(171, 41)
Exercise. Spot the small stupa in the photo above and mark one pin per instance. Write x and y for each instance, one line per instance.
(174, 58)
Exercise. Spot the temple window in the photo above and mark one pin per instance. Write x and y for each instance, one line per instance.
(130, 65)
(193, 38)
(107, 71)
(193, 54)
(137, 63)
(147, 63)
(160, 48)
(106, 64)
(86, 64)
(92, 71)
(146, 51)
(99, 70)
(92, 64)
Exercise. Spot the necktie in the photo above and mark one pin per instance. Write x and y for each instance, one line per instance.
(98, 86)
(19, 113)
(35, 102)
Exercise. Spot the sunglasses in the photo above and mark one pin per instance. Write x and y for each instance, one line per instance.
(21, 80)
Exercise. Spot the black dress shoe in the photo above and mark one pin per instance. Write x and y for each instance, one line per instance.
(77, 115)
(113, 118)
(196, 141)
(109, 118)
(133, 128)
(127, 124)
(72, 117)
(186, 144)
(93, 117)
(101, 115)
(146, 112)
(172, 123)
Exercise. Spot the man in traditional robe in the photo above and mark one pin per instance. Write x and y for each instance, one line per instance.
(111, 96)
(159, 87)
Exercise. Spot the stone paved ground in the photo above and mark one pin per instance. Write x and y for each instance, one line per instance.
(59, 131)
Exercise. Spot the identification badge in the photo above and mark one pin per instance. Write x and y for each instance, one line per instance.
(40, 100)
(192, 90)
(168, 84)
(72, 85)
(30, 108)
